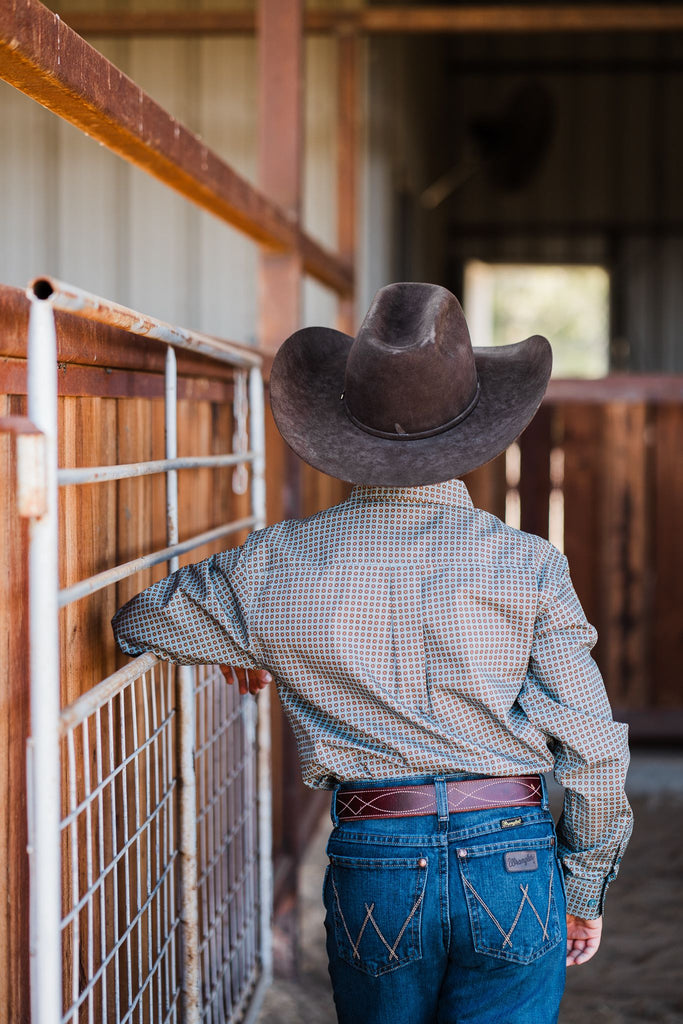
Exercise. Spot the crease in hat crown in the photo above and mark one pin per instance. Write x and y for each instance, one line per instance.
(410, 372)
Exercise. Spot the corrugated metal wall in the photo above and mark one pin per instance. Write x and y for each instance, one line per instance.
(71, 208)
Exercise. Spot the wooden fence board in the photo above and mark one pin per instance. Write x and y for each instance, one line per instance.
(534, 483)
(582, 429)
(667, 604)
(14, 729)
(487, 486)
(623, 554)
(87, 542)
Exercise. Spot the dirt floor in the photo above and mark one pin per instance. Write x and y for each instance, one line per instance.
(637, 976)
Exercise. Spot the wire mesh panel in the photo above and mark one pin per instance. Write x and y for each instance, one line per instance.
(119, 850)
(227, 839)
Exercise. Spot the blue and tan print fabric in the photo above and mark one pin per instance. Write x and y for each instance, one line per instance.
(412, 634)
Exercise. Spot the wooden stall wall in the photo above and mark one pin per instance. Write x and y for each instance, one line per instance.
(621, 481)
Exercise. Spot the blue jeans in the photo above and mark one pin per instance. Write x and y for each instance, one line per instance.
(446, 919)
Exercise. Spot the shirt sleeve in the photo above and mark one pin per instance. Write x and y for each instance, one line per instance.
(565, 696)
(197, 615)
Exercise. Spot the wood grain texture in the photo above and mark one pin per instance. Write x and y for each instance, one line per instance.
(583, 490)
(487, 486)
(14, 730)
(391, 19)
(623, 555)
(534, 485)
(667, 596)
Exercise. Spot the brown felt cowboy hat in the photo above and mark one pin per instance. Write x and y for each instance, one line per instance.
(408, 401)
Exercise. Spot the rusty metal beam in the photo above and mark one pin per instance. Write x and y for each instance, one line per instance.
(47, 60)
(347, 163)
(394, 20)
(281, 131)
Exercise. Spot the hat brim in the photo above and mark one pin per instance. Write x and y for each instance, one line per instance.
(307, 381)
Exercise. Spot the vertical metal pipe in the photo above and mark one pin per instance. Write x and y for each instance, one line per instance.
(44, 763)
(185, 703)
(258, 510)
(187, 845)
(171, 442)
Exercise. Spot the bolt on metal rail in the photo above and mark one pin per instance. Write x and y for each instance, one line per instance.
(149, 795)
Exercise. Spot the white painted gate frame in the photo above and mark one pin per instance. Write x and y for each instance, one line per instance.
(99, 806)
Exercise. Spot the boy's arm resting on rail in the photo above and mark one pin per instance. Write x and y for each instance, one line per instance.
(197, 615)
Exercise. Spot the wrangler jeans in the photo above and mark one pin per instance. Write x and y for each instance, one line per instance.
(446, 918)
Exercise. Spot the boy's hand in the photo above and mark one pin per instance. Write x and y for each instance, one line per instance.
(248, 680)
(583, 939)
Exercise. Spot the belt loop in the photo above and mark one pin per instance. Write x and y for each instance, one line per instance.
(333, 807)
(441, 802)
(544, 793)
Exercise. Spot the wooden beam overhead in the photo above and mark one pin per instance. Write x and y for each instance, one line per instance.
(393, 20)
(47, 60)
(525, 18)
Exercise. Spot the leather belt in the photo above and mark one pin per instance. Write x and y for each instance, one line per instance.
(465, 795)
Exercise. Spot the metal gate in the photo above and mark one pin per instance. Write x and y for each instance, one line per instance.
(149, 796)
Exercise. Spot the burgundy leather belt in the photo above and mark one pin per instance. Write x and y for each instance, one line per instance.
(466, 795)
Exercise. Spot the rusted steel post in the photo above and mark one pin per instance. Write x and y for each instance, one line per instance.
(280, 158)
(280, 43)
(347, 163)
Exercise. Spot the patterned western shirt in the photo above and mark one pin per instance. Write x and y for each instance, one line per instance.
(411, 634)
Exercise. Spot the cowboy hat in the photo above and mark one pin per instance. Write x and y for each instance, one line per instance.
(408, 401)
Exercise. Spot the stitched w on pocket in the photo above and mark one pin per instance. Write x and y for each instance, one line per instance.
(511, 890)
(377, 910)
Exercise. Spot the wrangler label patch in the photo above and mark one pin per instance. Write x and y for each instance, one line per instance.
(510, 822)
(524, 860)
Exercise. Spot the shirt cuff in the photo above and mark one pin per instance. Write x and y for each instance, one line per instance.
(585, 897)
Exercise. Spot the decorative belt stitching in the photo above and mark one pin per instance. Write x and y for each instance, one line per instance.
(411, 801)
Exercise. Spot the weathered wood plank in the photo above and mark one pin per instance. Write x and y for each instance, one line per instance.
(87, 543)
(393, 20)
(14, 729)
(45, 59)
(618, 387)
(582, 489)
(524, 18)
(102, 382)
(487, 486)
(667, 597)
(623, 554)
(534, 483)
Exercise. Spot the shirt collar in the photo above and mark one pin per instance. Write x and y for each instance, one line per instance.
(450, 492)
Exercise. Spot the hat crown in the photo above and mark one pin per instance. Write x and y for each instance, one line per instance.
(411, 368)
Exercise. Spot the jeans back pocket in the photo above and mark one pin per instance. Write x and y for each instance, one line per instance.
(376, 905)
(512, 891)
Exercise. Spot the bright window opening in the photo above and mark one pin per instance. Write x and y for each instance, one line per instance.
(569, 304)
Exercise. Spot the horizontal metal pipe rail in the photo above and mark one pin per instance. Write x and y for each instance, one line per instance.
(126, 471)
(120, 572)
(99, 777)
(74, 300)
